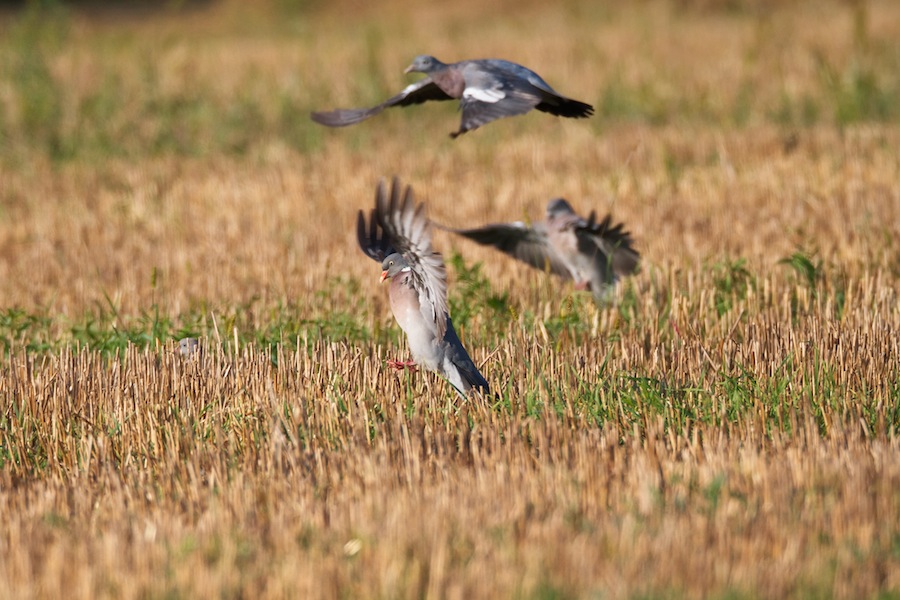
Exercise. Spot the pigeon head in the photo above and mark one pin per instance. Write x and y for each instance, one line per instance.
(558, 208)
(393, 265)
(188, 347)
(424, 64)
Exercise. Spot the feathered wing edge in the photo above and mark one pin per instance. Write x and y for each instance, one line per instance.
(614, 241)
(476, 113)
(397, 224)
(372, 239)
(416, 93)
(519, 241)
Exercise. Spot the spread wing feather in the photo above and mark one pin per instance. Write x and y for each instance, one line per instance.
(527, 244)
(396, 224)
(613, 241)
(418, 92)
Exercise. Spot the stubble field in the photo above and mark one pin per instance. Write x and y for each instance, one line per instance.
(727, 428)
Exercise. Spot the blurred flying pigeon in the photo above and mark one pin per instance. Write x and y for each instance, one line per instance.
(487, 89)
(595, 255)
(398, 235)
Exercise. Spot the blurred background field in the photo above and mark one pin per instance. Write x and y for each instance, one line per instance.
(726, 429)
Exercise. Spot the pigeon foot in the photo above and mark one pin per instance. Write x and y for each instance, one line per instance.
(399, 365)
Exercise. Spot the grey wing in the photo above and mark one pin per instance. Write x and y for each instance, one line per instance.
(617, 257)
(476, 113)
(516, 71)
(491, 94)
(469, 374)
(416, 93)
(547, 99)
(527, 244)
(372, 239)
(408, 231)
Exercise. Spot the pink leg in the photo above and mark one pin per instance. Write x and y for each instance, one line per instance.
(582, 285)
(399, 365)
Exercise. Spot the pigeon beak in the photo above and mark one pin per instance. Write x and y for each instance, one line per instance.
(384, 276)
(408, 69)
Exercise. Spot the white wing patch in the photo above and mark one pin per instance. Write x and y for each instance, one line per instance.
(411, 88)
(483, 95)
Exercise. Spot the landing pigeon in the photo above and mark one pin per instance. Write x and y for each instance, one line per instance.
(398, 235)
(594, 255)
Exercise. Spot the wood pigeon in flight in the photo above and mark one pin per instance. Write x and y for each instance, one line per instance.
(487, 89)
(594, 255)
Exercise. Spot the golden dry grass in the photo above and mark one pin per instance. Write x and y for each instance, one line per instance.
(727, 430)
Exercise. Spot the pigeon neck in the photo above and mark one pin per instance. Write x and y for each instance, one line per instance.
(402, 278)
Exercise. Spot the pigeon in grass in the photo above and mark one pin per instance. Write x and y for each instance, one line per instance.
(189, 347)
(487, 89)
(594, 255)
(398, 235)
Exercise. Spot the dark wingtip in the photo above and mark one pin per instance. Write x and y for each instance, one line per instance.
(578, 110)
(329, 119)
(341, 117)
(380, 199)
(626, 258)
(477, 382)
(395, 196)
(397, 190)
(361, 238)
(559, 206)
(568, 108)
(409, 198)
(462, 130)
